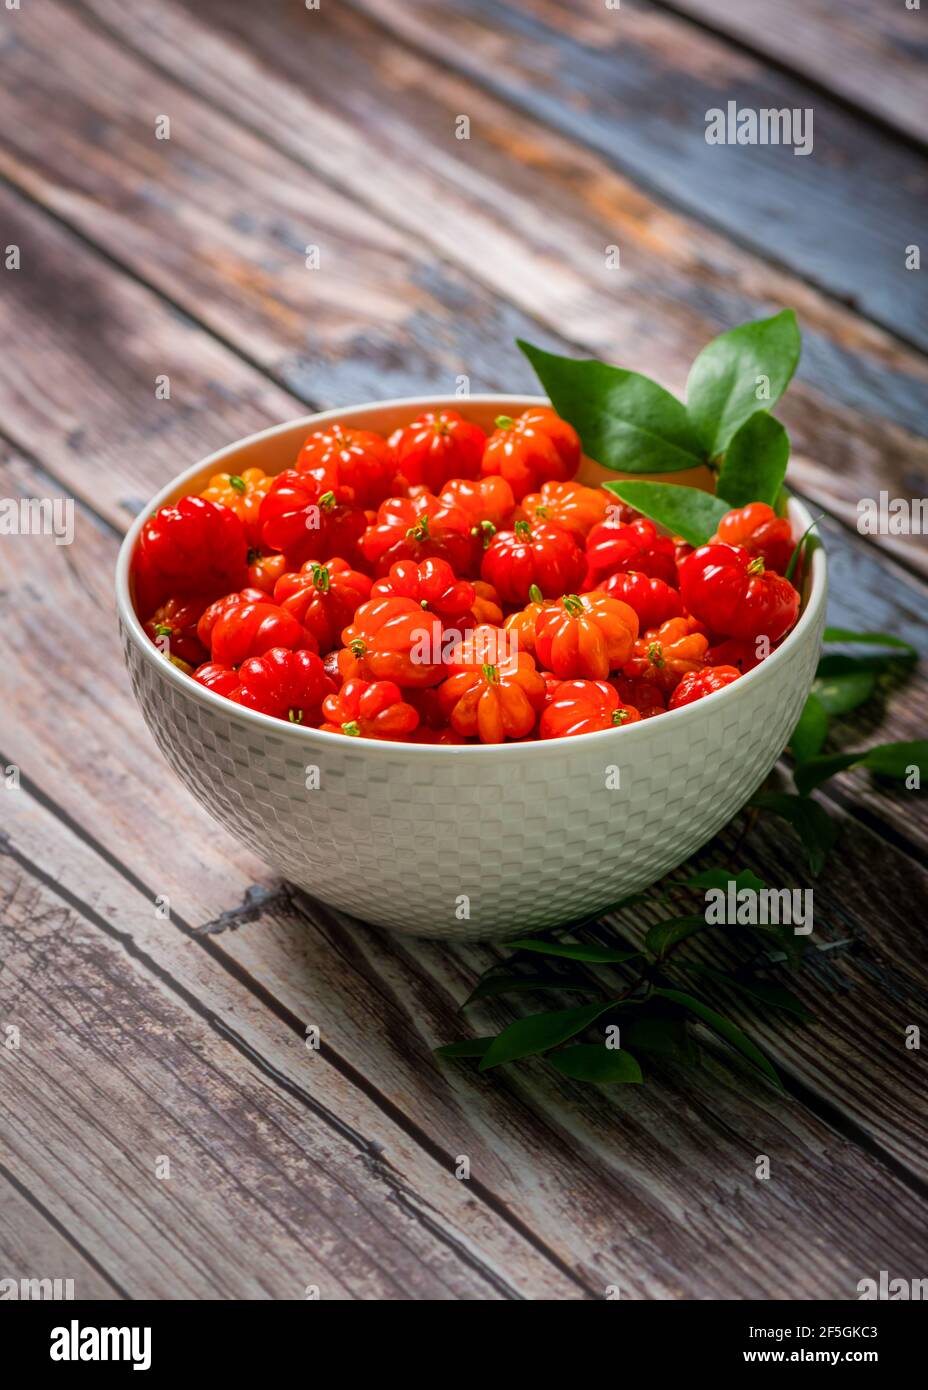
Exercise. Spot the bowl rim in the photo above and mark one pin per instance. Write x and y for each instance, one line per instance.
(740, 689)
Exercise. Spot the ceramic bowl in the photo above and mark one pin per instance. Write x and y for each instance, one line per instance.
(466, 843)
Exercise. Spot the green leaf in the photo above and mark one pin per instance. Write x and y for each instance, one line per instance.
(839, 694)
(894, 759)
(663, 1037)
(685, 511)
(886, 760)
(494, 985)
(842, 664)
(596, 1062)
(782, 937)
(755, 462)
(470, 1047)
(811, 731)
(812, 823)
(774, 996)
(664, 935)
(720, 878)
(875, 639)
(602, 955)
(799, 547)
(722, 390)
(625, 421)
(540, 1032)
(725, 1029)
(781, 943)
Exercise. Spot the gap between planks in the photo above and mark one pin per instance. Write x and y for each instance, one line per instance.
(400, 1190)
(20, 1208)
(411, 24)
(275, 1006)
(883, 439)
(881, 104)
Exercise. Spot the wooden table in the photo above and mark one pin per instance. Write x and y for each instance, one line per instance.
(166, 1131)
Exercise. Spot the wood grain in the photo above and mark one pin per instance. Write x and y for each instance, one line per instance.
(635, 84)
(869, 54)
(189, 1034)
(33, 1246)
(574, 1167)
(529, 214)
(81, 388)
(863, 995)
(614, 1170)
(377, 317)
(282, 1175)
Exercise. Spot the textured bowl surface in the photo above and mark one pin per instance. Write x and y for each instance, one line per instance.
(467, 843)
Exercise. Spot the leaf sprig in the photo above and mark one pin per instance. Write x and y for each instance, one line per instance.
(659, 1005)
(630, 424)
(842, 684)
(653, 1012)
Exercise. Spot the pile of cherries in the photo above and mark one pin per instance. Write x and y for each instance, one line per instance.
(445, 586)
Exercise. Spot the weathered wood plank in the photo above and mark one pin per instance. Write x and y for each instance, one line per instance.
(529, 214)
(600, 1180)
(32, 1247)
(81, 386)
(705, 1270)
(636, 83)
(120, 1067)
(377, 317)
(670, 1150)
(869, 54)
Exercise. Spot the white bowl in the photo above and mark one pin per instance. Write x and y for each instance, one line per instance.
(466, 843)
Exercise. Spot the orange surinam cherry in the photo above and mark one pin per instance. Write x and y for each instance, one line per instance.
(243, 494)
(665, 654)
(586, 635)
(492, 700)
(569, 504)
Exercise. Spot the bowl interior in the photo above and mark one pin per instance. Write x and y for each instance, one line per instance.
(275, 449)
